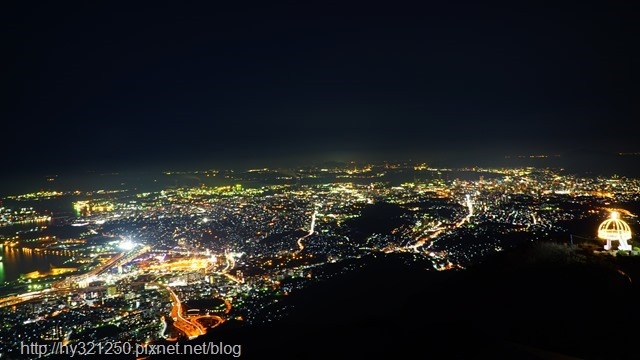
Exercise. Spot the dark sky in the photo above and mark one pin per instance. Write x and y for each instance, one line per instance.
(126, 85)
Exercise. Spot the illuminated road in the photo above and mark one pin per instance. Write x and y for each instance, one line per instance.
(187, 327)
(78, 279)
(217, 318)
(190, 325)
(311, 230)
(438, 230)
(106, 266)
(164, 327)
(234, 278)
(231, 263)
(84, 279)
(227, 305)
(16, 299)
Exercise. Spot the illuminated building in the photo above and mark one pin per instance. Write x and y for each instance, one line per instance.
(614, 229)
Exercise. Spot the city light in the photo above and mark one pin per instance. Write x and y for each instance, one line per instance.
(244, 247)
(127, 245)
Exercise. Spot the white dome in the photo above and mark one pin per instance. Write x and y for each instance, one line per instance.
(614, 229)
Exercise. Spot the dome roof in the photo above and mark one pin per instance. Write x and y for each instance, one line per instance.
(614, 229)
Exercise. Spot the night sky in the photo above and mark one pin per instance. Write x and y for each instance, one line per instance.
(122, 86)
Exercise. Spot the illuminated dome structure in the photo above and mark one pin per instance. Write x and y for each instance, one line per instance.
(614, 229)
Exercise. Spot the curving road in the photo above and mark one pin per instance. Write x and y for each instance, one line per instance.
(189, 325)
(231, 263)
(189, 328)
(311, 230)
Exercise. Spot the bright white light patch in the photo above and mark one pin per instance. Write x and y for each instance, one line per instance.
(126, 245)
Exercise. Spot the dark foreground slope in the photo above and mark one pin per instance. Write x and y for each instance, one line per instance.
(537, 302)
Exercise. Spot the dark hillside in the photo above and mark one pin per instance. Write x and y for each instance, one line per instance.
(537, 302)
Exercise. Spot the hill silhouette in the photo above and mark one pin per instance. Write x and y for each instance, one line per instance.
(540, 301)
